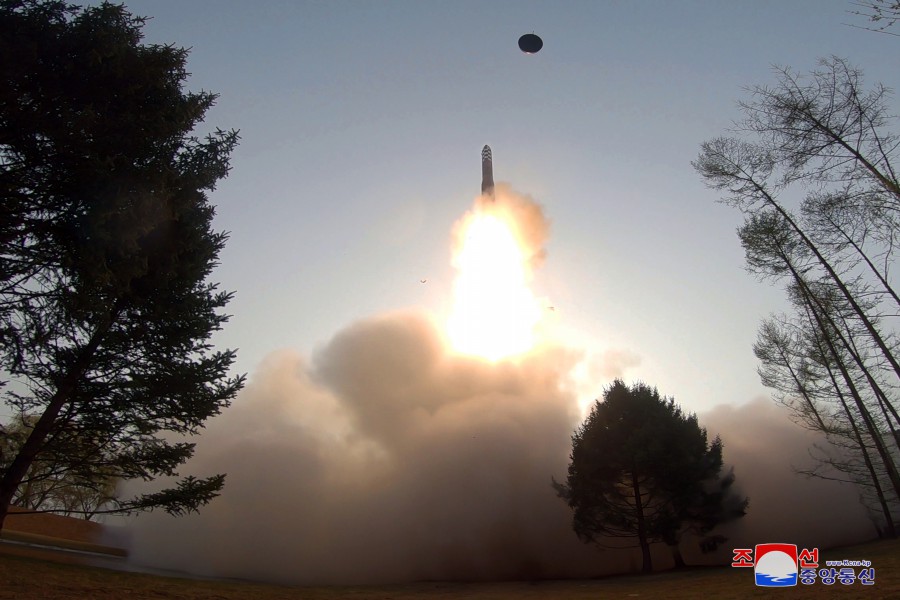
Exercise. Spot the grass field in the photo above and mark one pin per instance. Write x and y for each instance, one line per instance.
(30, 578)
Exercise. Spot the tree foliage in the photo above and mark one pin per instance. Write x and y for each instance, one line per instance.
(106, 246)
(642, 469)
(811, 168)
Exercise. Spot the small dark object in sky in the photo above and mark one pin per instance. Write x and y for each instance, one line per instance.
(423, 280)
(530, 43)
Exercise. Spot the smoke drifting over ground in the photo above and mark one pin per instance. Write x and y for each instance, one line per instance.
(388, 457)
(766, 448)
(386, 460)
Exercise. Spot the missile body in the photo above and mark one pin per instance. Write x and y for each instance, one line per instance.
(487, 172)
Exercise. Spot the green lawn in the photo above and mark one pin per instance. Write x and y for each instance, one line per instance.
(27, 578)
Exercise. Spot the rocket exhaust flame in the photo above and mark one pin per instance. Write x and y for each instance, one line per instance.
(495, 313)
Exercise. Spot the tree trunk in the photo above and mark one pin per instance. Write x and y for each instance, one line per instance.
(871, 428)
(19, 466)
(676, 554)
(860, 313)
(29, 450)
(886, 511)
(642, 526)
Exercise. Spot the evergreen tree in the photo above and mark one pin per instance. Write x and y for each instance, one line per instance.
(642, 469)
(106, 246)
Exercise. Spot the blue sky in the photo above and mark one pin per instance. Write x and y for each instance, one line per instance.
(362, 125)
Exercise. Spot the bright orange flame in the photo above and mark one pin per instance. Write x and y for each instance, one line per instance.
(495, 313)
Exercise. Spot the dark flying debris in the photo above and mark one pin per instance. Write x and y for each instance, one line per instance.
(530, 43)
(422, 280)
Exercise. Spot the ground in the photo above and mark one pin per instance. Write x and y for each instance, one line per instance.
(28, 577)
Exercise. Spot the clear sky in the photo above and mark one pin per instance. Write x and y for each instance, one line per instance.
(362, 125)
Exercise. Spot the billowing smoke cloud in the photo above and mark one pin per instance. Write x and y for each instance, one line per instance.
(612, 364)
(387, 457)
(766, 450)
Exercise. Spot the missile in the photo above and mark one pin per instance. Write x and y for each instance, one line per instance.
(487, 172)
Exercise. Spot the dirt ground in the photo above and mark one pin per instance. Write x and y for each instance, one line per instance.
(28, 577)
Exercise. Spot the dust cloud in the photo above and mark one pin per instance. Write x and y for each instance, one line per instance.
(766, 449)
(385, 459)
(389, 459)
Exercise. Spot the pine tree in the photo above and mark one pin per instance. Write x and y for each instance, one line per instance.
(106, 246)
